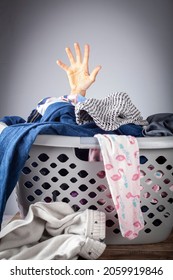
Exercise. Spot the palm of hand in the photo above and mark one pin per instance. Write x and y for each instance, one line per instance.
(79, 78)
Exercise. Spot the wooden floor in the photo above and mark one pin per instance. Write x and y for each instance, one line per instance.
(158, 251)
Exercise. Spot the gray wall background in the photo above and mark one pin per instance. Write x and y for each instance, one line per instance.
(131, 39)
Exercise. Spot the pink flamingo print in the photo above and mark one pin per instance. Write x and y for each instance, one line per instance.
(129, 234)
(136, 154)
(136, 176)
(130, 195)
(137, 224)
(117, 176)
(131, 140)
(122, 157)
(108, 166)
(117, 206)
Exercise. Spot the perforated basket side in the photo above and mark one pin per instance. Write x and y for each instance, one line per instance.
(57, 174)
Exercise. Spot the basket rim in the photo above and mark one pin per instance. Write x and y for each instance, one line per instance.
(162, 142)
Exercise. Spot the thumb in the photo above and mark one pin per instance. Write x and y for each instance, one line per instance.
(94, 73)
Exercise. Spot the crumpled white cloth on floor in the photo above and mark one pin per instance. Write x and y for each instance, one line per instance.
(54, 231)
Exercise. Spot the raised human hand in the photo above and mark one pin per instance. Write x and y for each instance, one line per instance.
(78, 72)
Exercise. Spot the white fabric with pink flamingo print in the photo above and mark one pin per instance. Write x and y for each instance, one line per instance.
(121, 162)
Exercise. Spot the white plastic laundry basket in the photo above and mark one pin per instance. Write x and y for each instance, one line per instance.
(56, 170)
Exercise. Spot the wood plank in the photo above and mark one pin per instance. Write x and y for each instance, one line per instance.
(158, 251)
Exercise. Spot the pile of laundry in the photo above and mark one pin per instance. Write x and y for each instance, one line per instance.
(116, 123)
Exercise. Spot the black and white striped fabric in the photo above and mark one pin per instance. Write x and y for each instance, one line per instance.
(110, 112)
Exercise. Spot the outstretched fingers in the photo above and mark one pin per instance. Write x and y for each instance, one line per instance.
(86, 56)
(78, 53)
(62, 65)
(70, 55)
(78, 74)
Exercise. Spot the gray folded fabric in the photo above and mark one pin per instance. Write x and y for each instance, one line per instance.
(159, 125)
(54, 231)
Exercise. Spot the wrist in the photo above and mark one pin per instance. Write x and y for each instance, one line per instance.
(81, 92)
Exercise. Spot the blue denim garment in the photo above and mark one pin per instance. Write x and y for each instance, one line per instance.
(17, 139)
